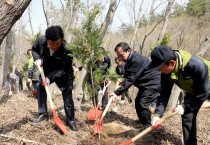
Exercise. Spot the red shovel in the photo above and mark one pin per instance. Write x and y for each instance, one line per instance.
(56, 119)
(179, 111)
(98, 125)
(95, 112)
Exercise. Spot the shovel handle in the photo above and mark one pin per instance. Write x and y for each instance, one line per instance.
(46, 87)
(141, 134)
(109, 103)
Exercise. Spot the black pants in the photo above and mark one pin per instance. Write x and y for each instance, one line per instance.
(66, 89)
(143, 101)
(192, 106)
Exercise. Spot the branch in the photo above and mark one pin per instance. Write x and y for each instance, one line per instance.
(21, 139)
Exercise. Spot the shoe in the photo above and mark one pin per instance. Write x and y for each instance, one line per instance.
(73, 127)
(41, 117)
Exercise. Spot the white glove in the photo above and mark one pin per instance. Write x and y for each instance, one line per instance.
(154, 119)
(47, 81)
(179, 109)
(38, 62)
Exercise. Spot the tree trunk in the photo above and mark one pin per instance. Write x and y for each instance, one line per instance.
(2, 56)
(30, 22)
(45, 14)
(79, 91)
(203, 50)
(137, 25)
(109, 17)
(10, 12)
(73, 17)
(165, 23)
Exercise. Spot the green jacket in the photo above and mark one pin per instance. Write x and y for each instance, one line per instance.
(30, 62)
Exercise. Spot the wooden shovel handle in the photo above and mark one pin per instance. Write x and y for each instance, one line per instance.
(46, 87)
(165, 117)
(109, 103)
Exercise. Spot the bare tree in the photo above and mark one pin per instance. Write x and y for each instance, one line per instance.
(146, 34)
(137, 25)
(73, 17)
(109, 17)
(30, 22)
(10, 12)
(165, 22)
(45, 13)
(7, 58)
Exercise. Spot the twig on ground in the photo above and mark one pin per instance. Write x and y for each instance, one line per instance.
(21, 139)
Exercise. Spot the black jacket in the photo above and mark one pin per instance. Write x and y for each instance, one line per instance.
(57, 66)
(120, 70)
(137, 74)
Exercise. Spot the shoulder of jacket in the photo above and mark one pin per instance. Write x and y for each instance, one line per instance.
(42, 39)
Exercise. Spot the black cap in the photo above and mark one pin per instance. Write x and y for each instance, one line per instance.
(159, 56)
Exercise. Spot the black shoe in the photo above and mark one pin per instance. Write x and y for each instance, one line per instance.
(41, 117)
(73, 127)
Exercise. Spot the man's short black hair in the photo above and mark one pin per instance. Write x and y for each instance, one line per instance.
(125, 47)
(54, 32)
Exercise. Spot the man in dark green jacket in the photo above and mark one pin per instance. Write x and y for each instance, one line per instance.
(191, 74)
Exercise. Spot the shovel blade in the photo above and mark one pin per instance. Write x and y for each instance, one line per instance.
(59, 123)
(126, 142)
(94, 113)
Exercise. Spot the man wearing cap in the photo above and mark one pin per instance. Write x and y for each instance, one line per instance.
(137, 74)
(191, 74)
(49, 51)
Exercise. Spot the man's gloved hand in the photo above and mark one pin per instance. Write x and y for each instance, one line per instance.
(38, 62)
(46, 82)
(179, 109)
(154, 120)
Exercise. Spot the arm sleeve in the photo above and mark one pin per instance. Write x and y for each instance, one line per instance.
(200, 78)
(132, 74)
(162, 100)
(36, 50)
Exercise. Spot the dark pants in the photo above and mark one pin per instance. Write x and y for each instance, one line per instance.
(66, 89)
(143, 101)
(35, 85)
(192, 106)
(20, 84)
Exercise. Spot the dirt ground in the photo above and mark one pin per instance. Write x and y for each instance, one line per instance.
(17, 112)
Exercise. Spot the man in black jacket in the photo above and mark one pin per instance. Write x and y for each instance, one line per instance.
(137, 74)
(49, 51)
